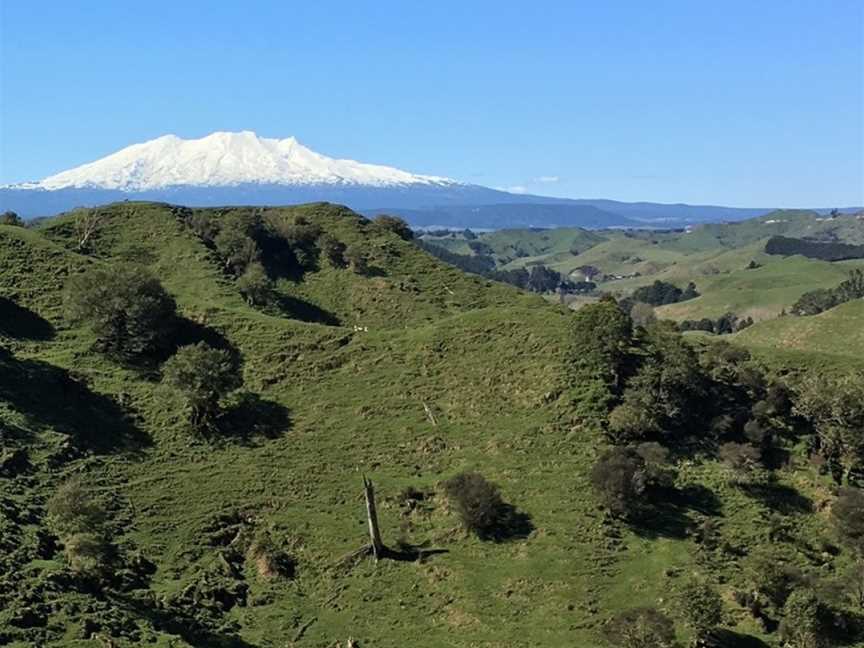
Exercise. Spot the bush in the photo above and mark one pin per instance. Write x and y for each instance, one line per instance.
(11, 218)
(71, 510)
(619, 478)
(357, 260)
(126, 307)
(79, 522)
(394, 224)
(744, 460)
(237, 249)
(847, 513)
(477, 501)
(701, 607)
(643, 627)
(86, 553)
(333, 249)
(804, 624)
(255, 285)
(204, 376)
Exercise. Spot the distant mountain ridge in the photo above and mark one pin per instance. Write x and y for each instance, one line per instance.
(242, 168)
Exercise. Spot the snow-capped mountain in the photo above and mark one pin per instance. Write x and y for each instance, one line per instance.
(224, 160)
(245, 169)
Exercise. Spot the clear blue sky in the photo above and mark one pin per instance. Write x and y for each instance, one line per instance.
(726, 102)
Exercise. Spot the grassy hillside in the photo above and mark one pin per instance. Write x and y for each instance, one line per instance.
(408, 373)
(834, 337)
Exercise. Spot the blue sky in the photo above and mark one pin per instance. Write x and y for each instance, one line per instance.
(736, 103)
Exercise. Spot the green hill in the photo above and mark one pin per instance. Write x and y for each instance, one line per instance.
(408, 372)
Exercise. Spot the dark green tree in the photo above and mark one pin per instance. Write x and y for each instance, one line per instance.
(644, 627)
(477, 501)
(126, 307)
(255, 285)
(204, 376)
(394, 224)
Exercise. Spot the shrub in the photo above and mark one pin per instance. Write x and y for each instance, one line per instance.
(744, 460)
(619, 478)
(804, 622)
(204, 376)
(255, 285)
(701, 608)
(333, 249)
(643, 627)
(394, 224)
(11, 218)
(477, 501)
(357, 259)
(847, 513)
(269, 558)
(237, 249)
(126, 307)
(78, 520)
(71, 510)
(86, 553)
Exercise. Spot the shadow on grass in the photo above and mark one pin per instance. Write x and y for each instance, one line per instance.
(779, 497)
(668, 513)
(50, 396)
(19, 322)
(730, 639)
(251, 416)
(181, 622)
(405, 552)
(511, 524)
(304, 311)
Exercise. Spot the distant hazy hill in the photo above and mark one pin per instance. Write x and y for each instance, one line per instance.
(245, 169)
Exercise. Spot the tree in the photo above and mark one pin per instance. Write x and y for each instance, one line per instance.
(642, 315)
(357, 259)
(237, 249)
(11, 218)
(394, 224)
(72, 510)
(814, 302)
(87, 222)
(834, 406)
(127, 309)
(204, 376)
(477, 501)
(665, 394)
(619, 479)
(701, 608)
(804, 624)
(79, 521)
(601, 335)
(745, 461)
(643, 627)
(847, 513)
(333, 249)
(255, 285)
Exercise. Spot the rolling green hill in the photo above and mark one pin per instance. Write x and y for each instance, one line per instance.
(409, 373)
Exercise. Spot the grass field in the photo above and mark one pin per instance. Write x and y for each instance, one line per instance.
(335, 403)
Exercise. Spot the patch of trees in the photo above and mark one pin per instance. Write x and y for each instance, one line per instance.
(393, 224)
(662, 397)
(825, 251)
(663, 292)
(11, 218)
(726, 323)
(822, 299)
(539, 279)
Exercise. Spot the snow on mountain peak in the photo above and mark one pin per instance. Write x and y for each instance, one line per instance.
(226, 159)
